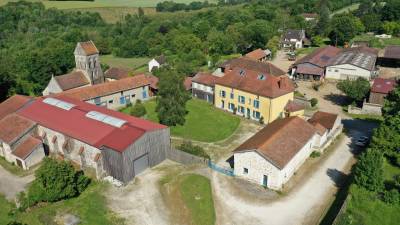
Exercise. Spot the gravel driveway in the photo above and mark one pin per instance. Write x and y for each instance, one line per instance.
(304, 205)
(11, 185)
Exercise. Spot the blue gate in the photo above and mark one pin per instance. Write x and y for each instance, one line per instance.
(220, 169)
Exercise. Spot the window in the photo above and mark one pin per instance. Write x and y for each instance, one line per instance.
(133, 95)
(245, 170)
(241, 99)
(231, 106)
(97, 101)
(336, 70)
(256, 115)
(256, 103)
(232, 95)
(144, 94)
(122, 100)
(110, 101)
(241, 109)
(222, 94)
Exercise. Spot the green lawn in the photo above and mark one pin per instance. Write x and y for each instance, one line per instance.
(389, 171)
(203, 122)
(377, 42)
(128, 63)
(349, 8)
(197, 196)
(90, 207)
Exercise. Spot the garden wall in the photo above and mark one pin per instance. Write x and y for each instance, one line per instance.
(184, 157)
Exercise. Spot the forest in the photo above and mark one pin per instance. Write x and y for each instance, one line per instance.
(36, 43)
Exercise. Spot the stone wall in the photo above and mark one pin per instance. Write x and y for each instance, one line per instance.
(184, 157)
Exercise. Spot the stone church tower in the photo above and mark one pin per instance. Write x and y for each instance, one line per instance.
(87, 60)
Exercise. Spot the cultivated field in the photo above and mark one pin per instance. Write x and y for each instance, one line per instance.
(127, 63)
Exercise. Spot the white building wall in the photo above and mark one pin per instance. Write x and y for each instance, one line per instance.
(342, 72)
(34, 158)
(320, 140)
(202, 87)
(52, 87)
(153, 64)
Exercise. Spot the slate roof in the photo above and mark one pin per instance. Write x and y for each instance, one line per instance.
(116, 73)
(280, 140)
(24, 149)
(104, 89)
(326, 119)
(205, 78)
(245, 63)
(392, 52)
(89, 48)
(71, 80)
(363, 57)
(13, 127)
(294, 34)
(256, 82)
(13, 104)
(383, 86)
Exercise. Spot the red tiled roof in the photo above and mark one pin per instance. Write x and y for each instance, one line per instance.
(292, 106)
(307, 68)
(89, 47)
(324, 118)
(246, 63)
(13, 104)
(25, 148)
(187, 82)
(13, 127)
(383, 86)
(392, 52)
(256, 54)
(71, 80)
(116, 73)
(320, 57)
(270, 86)
(104, 89)
(153, 80)
(319, 128)
(280, 140)
(205, 78)
(75, 124)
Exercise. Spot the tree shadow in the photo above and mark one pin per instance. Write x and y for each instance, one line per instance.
(337, 176)
(337, 99)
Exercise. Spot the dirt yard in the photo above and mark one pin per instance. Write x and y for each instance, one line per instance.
(387, 72)
(11, 185)
(281, 60)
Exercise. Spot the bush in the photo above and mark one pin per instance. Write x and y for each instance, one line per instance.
(368, 172)
(138, 109)
(261, 120)
(55, 180)
(188, 147)
(313, 102)
(391, 197)
(315, 154)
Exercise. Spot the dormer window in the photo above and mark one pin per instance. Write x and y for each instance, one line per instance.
(261, 77)
(242, 72)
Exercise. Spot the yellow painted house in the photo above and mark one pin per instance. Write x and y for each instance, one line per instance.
(255, 95)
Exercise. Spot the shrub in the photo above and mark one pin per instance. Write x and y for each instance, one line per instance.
(368, 172)
(315, 154)
(391, 197)
(313, 102)
(138, 109)
(188, 147)
(55, 180)
(261, 120)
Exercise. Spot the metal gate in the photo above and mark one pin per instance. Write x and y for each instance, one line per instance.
(226, 171)
(140, 164)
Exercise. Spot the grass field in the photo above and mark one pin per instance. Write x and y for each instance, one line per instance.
(377, 42)
(203, 122)
(114, 14)
(90, 207)
(128, 63)
(197, 196)
(15, 169)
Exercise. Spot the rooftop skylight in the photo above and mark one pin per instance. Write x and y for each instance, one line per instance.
(110, 120)
(58, 103)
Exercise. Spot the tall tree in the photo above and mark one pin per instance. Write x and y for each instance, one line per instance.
(171, 103)
(368, 172)
(392, 103)
(322, 26)
(354, 89)
(344, 28)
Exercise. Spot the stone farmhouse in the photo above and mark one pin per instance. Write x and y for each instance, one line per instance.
(380, 89)
(254, 94)
(203, 85)
(87, 71)
(113, 95)
(330, 121)
(294, 39)
(107, 141)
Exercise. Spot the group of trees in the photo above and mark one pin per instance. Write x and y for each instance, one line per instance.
(171, 6)
(356, 89)
(385, 144)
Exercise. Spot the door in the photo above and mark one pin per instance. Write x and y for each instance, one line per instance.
(265, 180)
(140, 164)
(19, 163)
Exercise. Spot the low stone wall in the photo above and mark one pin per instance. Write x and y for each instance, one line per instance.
(354, 110)
(184, 157)
(369, 108)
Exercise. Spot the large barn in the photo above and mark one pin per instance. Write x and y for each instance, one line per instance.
(94, 137)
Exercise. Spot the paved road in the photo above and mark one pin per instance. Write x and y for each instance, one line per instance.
(11, 185)
(303, 205)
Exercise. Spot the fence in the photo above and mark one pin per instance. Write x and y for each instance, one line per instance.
(184, 157)
(220, 169)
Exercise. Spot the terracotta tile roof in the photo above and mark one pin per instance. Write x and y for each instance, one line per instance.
(205, 78)
(319, 128)
(89, 47)
(13, 104)
(257, 83)
(392, 52)
(116, 73)
(24, 149)
(153, 80)
(256, 54)
(104, 89)
(383, 86)
(246, 63)
(307, 68)
(13, 127)
(280, 140)
(187, 82)
(292, 106)
(326, 119)
(319, 57)
(71, 80)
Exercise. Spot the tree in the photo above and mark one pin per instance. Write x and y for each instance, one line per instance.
(391, 27)
(317, 40)
(344, 28)
(387, 137)
(391, 10)
(138, 109)
(323, 19)
(273, 45)
(356, 90)
(392, 103)
(171, 103)
(368, 172)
